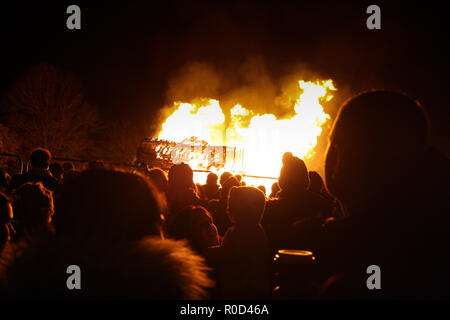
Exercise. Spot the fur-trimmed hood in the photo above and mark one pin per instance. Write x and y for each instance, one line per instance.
(152, 269)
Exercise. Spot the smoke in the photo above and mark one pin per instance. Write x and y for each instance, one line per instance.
(194, 80)
(249, 84)
(252, 85)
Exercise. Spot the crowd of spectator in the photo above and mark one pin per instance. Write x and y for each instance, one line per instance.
(383, 201)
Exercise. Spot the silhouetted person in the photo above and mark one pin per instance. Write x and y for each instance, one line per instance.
(110, 225)
(210, 190)
(195, 224)
(274, 190)
(40, 161)
(182, 191)
(294, 202)
(263, 189)
(394, 192)
(6, 215)
(245, 273)
(218, 208)
(33, 211)
(159, 179)
(224, 177)
(315, 182)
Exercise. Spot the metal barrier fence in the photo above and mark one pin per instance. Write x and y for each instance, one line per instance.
(23, 166)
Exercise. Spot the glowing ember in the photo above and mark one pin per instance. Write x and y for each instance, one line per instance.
(263, 138)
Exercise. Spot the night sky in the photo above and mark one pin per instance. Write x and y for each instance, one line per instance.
(133, 57)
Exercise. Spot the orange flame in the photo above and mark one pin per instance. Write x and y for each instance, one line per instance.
(263, 138)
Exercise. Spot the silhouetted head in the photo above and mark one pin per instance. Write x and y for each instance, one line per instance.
(286, 156)
(159, 179)
(246, 205)
(224, 177)
(376, 136)
(262, 188)
(315, 182)
(230, 183)
(239, 177)
(33, 204)
(293, 174)
(40, 158)
(274, 189)
(108, 206)
(181, 176)
(195, 224)
(211, 179)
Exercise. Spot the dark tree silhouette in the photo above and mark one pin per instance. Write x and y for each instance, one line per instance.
(123, 140)
(47, 108)
(9, 142)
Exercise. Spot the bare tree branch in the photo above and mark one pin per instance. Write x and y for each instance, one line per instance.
(48, 109)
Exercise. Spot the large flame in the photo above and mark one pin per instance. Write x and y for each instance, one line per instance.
(261, 139)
